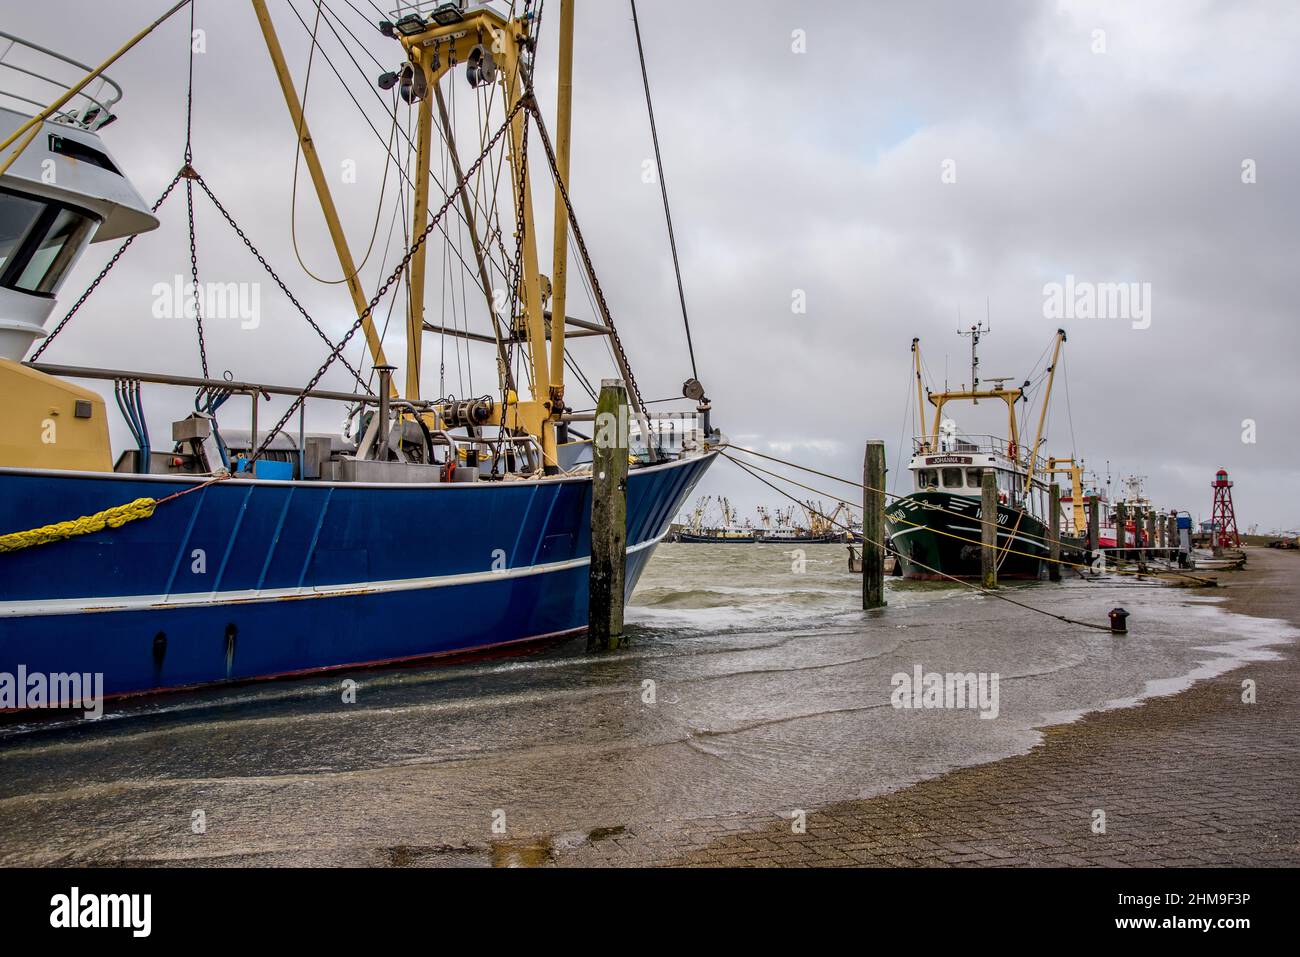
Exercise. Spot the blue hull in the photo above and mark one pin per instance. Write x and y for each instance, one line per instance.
(253, 579)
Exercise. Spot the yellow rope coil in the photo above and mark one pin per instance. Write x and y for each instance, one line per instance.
(114, 517)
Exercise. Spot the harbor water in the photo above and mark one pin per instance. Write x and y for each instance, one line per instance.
(752, 683)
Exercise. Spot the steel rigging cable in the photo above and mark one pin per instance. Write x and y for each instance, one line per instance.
(663, 189)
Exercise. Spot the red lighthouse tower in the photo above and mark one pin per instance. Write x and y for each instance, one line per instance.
(1223, 520)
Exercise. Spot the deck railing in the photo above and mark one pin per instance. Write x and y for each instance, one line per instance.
(29, 75)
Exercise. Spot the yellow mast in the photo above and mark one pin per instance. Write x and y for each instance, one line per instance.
(424, 139)
(1042, 413)
(531, 293)
(559, 259)
(318, 179)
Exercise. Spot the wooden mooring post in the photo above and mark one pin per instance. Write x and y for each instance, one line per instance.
(1121, 519)
(873, 525)
(989, 529)
(1054, 533)
(1094, 528)
(1151, 528)
(608, 519)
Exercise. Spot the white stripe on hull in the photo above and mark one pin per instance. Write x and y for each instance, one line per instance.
(76, 606)
(974, 531)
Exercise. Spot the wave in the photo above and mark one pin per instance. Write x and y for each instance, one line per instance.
(721, 596)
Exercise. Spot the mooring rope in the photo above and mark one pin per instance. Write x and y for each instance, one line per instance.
(938, 508)
(114, 517)
(959, 581)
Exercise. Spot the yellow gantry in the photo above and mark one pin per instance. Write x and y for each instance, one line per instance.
(1075, 471)
(435, 50)
(432, 53)
(1009, 396)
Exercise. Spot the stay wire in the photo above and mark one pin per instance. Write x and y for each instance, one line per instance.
(663, 189)
(959, 581)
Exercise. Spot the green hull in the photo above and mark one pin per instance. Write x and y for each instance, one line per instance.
(936, 534)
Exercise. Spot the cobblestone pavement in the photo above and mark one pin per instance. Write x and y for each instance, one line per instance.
(1198, 778)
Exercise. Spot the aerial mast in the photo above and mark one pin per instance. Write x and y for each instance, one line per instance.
(920, 399)
(975, 332)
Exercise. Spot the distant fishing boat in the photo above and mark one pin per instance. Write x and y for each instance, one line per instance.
(936, 529)
(779, 528)
(433, 525)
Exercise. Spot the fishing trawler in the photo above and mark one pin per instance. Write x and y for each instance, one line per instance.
(818, 526)
(1077, 500)
(699, 528)
(936, 530)
(435, 525)
(1135, 501)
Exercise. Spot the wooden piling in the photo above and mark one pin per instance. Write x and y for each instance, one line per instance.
(989, 528)
(608, 519)
(873, 525)
(1054, 533)
(1171, 531)
(1121, 536)
(1139, 546)
(1094, 528)
(1151, 528)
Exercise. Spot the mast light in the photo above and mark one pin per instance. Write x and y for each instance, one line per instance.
(447, 14)
(411, 25)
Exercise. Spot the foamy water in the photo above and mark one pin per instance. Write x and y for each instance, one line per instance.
(753, 683)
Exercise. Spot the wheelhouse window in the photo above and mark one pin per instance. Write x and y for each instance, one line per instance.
(39, 242)
(952, 478)
(926, 478)
(17, 216)
(974, 478)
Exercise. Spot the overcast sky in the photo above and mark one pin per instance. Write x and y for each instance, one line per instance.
(805, 148)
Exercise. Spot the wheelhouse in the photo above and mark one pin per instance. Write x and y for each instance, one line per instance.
(959, 464)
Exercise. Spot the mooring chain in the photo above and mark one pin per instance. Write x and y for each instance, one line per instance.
(194, 267)
(586, 256)
(521, 234)
(102, 273)
(278, 281)
(393, 277)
